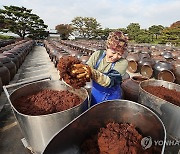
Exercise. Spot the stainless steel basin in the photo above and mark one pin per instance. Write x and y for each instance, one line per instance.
(168, 112)
(37, 130)
(69, 139)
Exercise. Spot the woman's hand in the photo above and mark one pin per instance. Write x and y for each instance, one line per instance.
(81, 71)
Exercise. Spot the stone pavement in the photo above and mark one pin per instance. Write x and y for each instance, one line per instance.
(37, 65)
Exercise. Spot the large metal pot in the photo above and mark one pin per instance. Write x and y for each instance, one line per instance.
(37, 130)
(168, 112)
(69, 139)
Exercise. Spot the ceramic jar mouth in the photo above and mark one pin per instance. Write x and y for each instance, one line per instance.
(139, 78)
(132, 66)
(146, 71)
(166, 75)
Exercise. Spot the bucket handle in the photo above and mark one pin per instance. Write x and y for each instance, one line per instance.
(24, 82)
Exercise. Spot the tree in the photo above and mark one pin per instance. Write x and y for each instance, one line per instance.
(133, 30)
(124, 30)
(172, 35)
(87, 27)
(2, 23)
(91, 27)
(64, 30)
(143, 36)
(104, 33)
(20, 21)
(175, 24)
(156, 30)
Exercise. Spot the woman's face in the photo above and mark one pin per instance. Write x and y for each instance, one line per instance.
(113, 56)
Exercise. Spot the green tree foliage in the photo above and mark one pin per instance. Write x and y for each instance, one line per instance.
(104, 33)
(124, 30)
(156, 30)
(171, 34)
(5, 37)
(64, 30)
(2, 22)
(87, 27)
(20, 21)
(143, 36)
(133, 30)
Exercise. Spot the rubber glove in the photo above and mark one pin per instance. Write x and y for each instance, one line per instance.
(81, 71)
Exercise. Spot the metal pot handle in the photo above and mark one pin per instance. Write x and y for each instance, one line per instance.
(24, 82)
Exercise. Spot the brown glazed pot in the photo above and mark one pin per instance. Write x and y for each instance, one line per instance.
(13, 58)
(155, 53)
(145, 66)
(4, 74)
(176, 54)
(132, 66)
(9, 64)
(167, 55)
(165, 68)
(158, 58)
(125, 77)
(146, 71)
(132, 62)
(1, 85)
(130, 87)
(144, 55)
(166, 75)
(177, 74)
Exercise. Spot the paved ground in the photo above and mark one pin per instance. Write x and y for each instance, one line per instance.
(36, 65)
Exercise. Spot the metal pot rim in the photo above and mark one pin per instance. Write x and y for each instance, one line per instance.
(25, 115)
(150, 80)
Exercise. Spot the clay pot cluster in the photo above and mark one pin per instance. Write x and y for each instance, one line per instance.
(4, 43)
(154, 63)
(150, 61)
(11, 60)
(56, 50)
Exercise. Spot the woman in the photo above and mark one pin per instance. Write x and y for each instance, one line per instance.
(107, 68)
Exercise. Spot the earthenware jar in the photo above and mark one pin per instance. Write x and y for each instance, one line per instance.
(167, 55)
(13, 58)
(166, 75)
(132, 62)
(145, 67)
(164, 71)
(176, 64)
(176, 54)
(158, 58)
(1, 85)
(4, 74)
(9, 64)
(125, 77)
(130, 87)
(144, 55)
(155, 53)
(177, 74)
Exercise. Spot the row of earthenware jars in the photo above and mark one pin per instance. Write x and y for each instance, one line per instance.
(145, 61)
(150, 67)
(57, 49)
(4, 43)
(11, 60)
